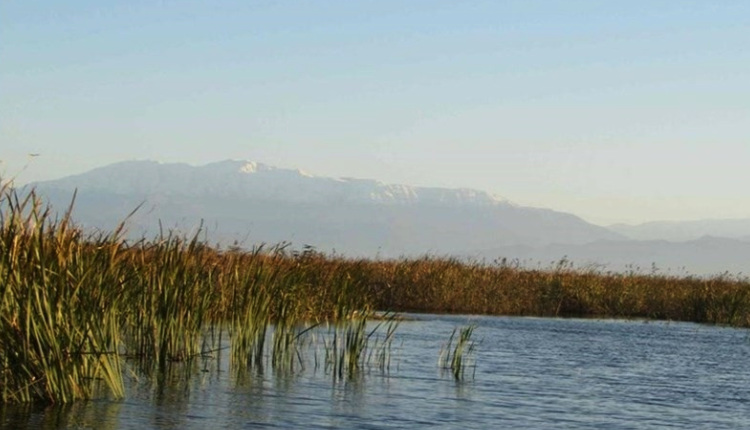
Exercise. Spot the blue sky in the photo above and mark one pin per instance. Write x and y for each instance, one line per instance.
(615, 111)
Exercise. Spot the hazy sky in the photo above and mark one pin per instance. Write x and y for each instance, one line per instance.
(612, 110)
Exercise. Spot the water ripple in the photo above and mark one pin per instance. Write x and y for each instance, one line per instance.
(531, 373)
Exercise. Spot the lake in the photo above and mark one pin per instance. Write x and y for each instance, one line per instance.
(528, 373)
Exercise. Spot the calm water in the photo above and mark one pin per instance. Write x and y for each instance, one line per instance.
(530, 373)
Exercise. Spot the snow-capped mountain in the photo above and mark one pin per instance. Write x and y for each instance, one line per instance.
(253, 202)
(247, 179)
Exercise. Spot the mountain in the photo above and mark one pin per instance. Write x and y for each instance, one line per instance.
(248, 202)
(239, 180)
(704, 256)
(686, 230)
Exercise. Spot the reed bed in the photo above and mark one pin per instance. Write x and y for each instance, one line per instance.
(59, 306)
(78, 308)
(449, 285)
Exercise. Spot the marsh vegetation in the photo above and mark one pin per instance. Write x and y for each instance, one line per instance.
(78, 310)
(456, 355)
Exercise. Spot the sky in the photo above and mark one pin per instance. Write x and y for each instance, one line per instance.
(616, 111)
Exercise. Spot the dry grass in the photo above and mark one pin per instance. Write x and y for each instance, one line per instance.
(448, 285)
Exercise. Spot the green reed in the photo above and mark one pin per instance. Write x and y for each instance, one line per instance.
(250, 311)
(353, 347)
(457, 357)
(170, 277)
(59, 328)
(381, 350)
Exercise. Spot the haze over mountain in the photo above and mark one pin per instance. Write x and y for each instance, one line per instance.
(686, 230)
(253, 202)
(705, 256)
(248, 203)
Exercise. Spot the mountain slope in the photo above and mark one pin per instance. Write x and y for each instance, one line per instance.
(252, 202)
(250, 180)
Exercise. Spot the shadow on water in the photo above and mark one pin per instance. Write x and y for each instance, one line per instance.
(94, 414)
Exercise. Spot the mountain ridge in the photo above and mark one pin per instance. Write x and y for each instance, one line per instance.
(361, 217)
(249, 179)
(707, 255)
(681, 231)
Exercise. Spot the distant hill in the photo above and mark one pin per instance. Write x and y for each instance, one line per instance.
(252, 202)
(704, 256)
(686, 230)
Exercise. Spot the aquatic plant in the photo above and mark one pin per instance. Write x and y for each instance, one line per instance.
(170, 281)
(59, 296)
(350, 351)
(381, 350)
(457, 357)
(448, 285)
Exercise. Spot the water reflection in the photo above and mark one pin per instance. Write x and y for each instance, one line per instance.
(83, 415)
(531, 373)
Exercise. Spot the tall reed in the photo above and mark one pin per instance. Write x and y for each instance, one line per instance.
(456, 357)
(353, 346)
(60, 293)
(171, 282)
(249, 308)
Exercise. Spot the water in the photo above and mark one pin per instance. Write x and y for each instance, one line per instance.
(530, 373)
